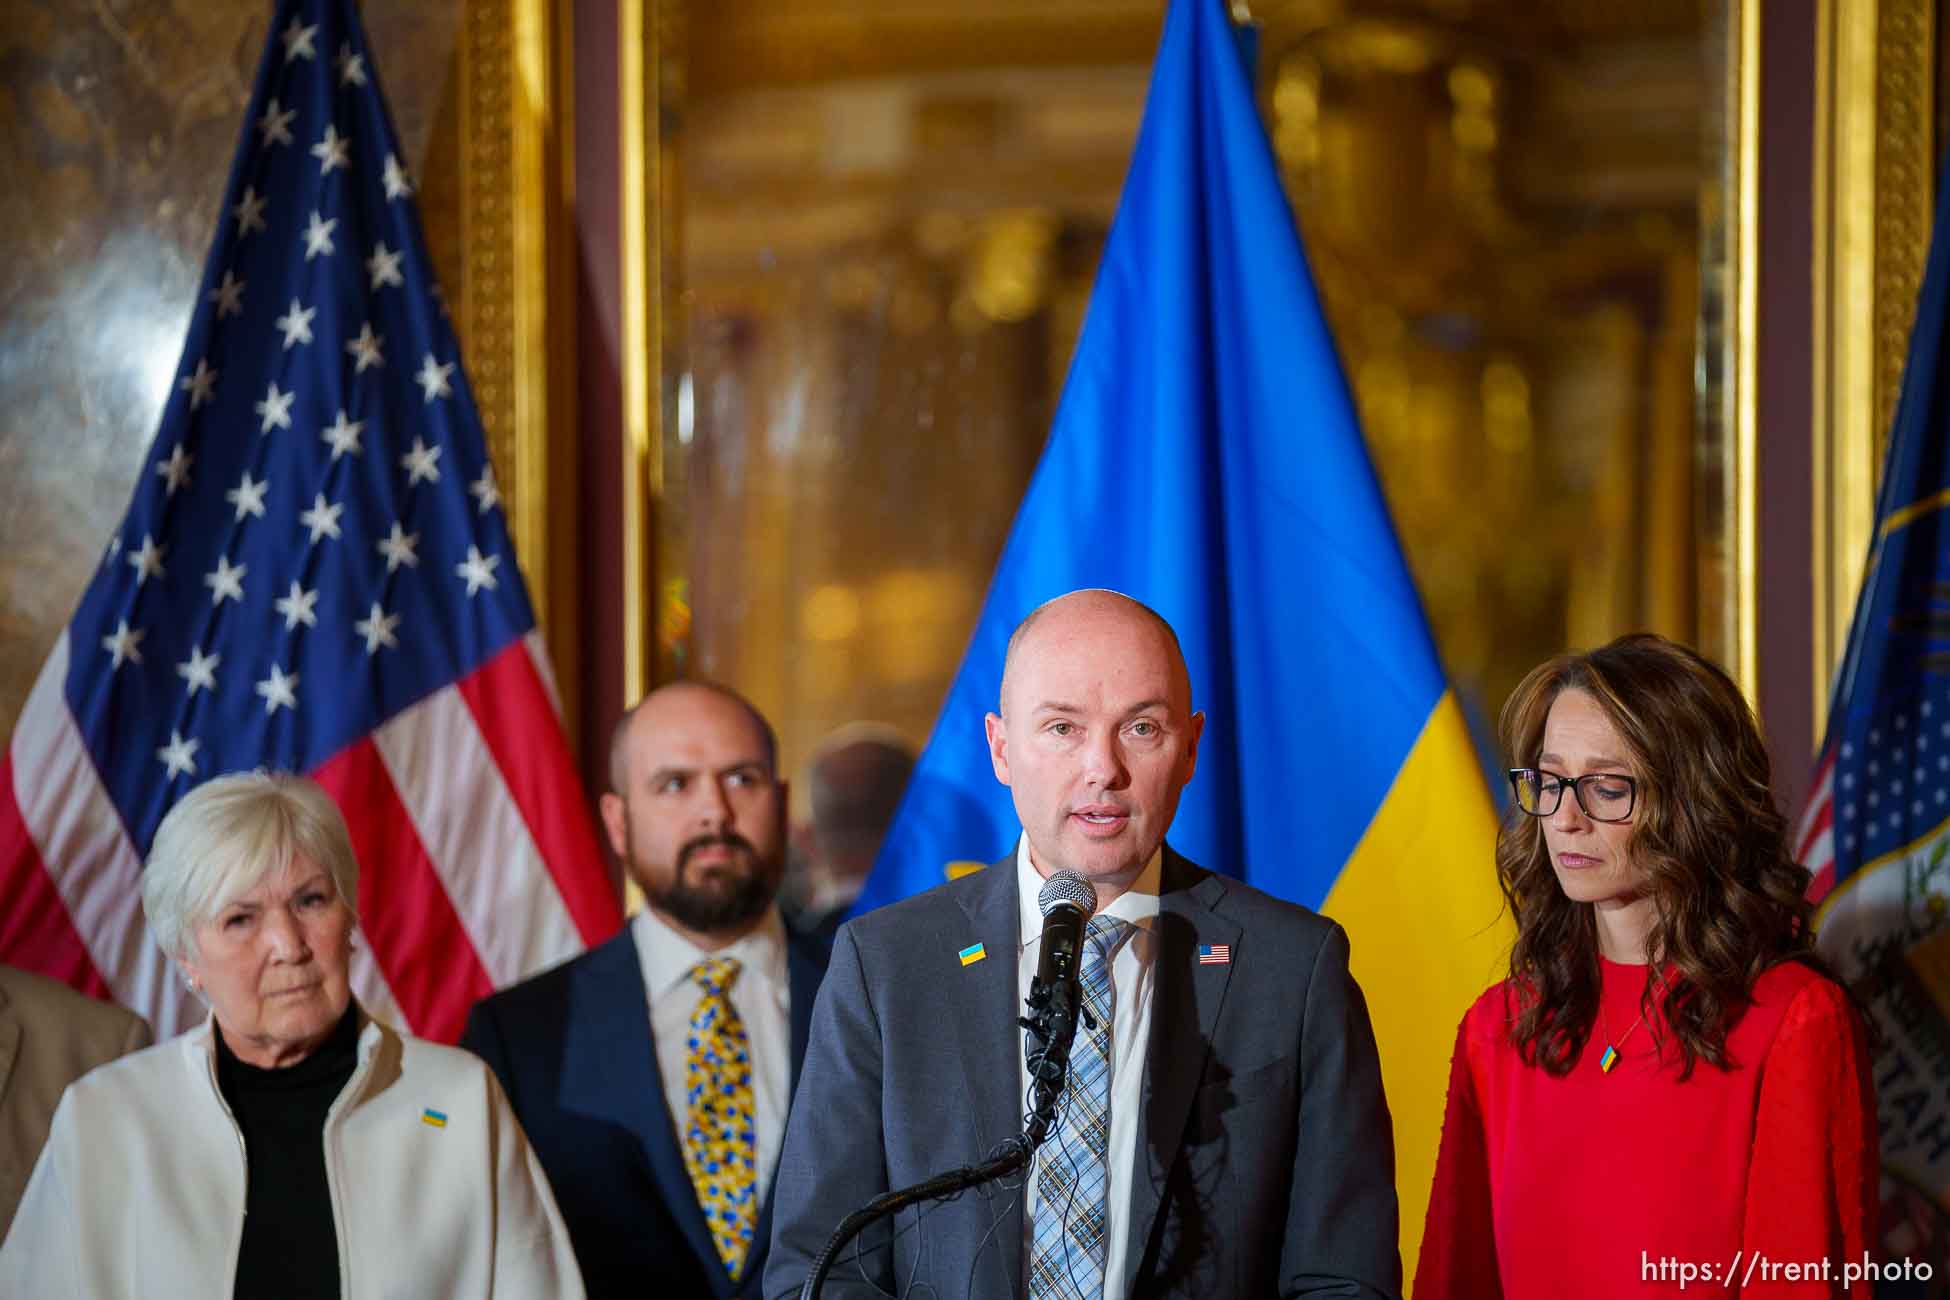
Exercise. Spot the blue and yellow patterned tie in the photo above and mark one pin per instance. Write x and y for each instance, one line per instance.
(720, 1145)
(1069, 1239)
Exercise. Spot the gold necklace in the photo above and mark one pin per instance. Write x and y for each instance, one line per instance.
(1609, 1061)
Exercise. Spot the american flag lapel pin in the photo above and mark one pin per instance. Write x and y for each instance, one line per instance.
(1215, 954)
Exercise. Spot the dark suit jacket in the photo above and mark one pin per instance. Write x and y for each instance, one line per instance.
(50, 1036)
(1265, 1161)
(573, 1052)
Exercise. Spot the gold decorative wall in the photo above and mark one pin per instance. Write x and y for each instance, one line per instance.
(868, 385)
(1877, 141)
(1502, 216)
(1510, 219)
(117, 126)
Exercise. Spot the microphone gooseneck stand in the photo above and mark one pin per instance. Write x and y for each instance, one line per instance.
(1053, 1006)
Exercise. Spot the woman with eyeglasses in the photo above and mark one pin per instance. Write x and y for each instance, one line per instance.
(1669, 1090)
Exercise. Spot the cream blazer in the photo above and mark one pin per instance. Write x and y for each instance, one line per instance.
(435, 1192)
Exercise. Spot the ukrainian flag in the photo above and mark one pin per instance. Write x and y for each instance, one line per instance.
(1206, 460)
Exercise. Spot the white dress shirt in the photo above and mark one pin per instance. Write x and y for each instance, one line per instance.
(762, 997)
(1131, 979)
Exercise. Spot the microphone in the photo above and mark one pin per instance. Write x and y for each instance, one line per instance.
(1055, 998)
(1066, 901)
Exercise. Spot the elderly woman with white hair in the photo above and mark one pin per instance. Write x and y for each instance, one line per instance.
(291, 1145)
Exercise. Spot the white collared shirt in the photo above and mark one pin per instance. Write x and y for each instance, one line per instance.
(762, 997)
(1131, 979)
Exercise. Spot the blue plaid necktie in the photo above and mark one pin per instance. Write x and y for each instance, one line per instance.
(1069, 1238)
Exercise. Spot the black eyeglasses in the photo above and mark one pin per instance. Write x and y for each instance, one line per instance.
(1604, 796)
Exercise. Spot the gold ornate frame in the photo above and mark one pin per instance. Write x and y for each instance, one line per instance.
(650, 90)
(1875, 104)
(1729, 285)
(516, 316)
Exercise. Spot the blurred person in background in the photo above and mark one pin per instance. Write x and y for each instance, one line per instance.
(854, 784)
(50, 1036)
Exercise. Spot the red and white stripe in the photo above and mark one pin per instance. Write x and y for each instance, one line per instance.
(478, 861)
(1814, 841)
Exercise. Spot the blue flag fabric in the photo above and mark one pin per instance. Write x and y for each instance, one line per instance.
(1205, 459)
(1877, 830)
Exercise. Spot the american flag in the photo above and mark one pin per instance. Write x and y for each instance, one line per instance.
(314, 574)
(1876, 831)
(1215, 954)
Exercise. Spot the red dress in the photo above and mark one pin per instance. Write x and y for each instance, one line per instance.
(1599, 1185)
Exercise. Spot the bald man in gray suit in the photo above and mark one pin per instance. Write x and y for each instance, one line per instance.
(1227, 1134)
(50, 1036)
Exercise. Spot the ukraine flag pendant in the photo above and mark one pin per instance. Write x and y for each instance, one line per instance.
(1608, 1060)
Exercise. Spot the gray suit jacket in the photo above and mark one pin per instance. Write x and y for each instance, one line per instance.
(50, 1036)
(1265, 1164)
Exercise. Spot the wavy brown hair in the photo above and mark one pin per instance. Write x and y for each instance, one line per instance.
(1730, 900)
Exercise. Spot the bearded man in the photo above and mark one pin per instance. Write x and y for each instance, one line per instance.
(653, 1074)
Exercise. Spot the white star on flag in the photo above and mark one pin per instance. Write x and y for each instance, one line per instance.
(332, 150)
(383, 266)
(296, 324)
(433, 378)
(229, 296)
(322, 519)
(276, 124)
(377, 628)
(179, 755)
(200, 386)
(397, 184)
(485, 490)
(352, 67)
(275, 408)
(147, 561)
(278, 690)
(397, 547)
(318, 236)
(422, 462)
(297, 606)
(477, 570)
(122, 643)
(227, 580)
(297, 41)
(366, 349)
(248, 497)
(249, 211)
(176, 470)
(343, 434)
(199, 670)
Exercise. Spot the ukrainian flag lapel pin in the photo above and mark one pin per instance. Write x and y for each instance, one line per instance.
(973, 953)
(433, 1118)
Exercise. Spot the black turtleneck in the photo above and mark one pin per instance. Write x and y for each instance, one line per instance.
(291, 1247)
